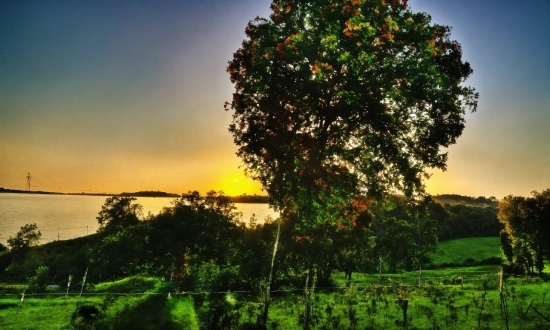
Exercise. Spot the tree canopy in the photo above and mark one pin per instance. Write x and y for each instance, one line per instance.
(27, 236)
(117, 213)
(339, 99)
(525, 238)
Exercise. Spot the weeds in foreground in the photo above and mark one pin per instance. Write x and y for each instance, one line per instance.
(432, 306)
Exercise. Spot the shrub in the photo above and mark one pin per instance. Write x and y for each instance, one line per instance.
(39, 281)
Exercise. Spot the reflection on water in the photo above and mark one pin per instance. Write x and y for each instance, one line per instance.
(70, 216)
(260, 211)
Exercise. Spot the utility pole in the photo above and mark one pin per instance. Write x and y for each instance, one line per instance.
(28, 181)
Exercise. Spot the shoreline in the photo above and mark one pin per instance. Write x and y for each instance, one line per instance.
(249, 199)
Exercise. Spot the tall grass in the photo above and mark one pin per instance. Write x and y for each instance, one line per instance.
(457, 298)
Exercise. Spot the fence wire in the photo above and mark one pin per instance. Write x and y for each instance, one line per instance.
(184, 293)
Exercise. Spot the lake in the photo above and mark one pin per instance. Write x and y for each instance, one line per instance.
(71, 216)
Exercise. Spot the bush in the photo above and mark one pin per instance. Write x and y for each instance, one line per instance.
(217, 310)
(39, 281)
(24, 266)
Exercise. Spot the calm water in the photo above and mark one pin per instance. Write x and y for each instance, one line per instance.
(70, 216)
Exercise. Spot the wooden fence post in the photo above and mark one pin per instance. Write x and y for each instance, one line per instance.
(21, 301)
(68, 286)
(501, 280)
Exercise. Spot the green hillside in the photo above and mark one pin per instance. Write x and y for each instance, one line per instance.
(459, 250)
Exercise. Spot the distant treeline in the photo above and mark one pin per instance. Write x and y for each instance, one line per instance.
(461, 221)
(235, 199)
(202, 235)
(15, 191)
(149, 194)
(457, 216)
(466, 200)
(249, 199)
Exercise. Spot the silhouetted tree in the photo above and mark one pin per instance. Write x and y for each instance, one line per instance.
(338, 99)
(117, 213)
(335, 100)
(124, 253)
(197, 228)
(27, 236)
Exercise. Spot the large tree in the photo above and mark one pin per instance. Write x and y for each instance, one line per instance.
(339, 102)
(117, 213)
(339, 99)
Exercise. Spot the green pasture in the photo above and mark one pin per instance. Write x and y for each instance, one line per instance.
(462, 250)
(453, 298)
(447, 298)
(131, 303)
(451, 302)
(427, 276)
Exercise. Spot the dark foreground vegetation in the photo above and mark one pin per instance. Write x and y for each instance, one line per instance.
(199, 229)
(202, 247)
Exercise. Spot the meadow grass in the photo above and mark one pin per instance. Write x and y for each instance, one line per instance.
(134, 284)
(134, 302)
(453, 298)
(427, 276)
(458, 250)
(435, 305)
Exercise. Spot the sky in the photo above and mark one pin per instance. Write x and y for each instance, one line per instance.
(113, 96)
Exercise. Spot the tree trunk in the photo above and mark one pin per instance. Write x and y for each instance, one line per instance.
(312, 273)
(348, 277)
(268, 287)
(306, 298)
(393, 266)
(405, 321)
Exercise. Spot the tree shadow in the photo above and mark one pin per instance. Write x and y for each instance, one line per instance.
(156, 312)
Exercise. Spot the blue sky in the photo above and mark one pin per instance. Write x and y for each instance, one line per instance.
(111, 96)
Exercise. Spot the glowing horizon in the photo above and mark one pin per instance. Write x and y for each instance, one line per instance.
(111, 97)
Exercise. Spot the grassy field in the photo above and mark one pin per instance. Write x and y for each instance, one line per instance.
(132, 303)
(447, 298)
(458, 298)
(457, 251)
(439, 305)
